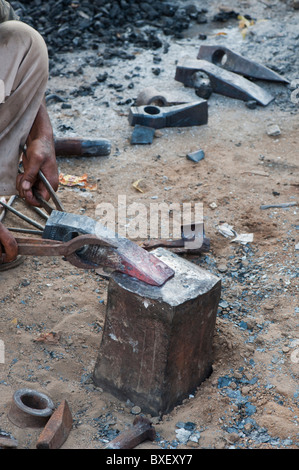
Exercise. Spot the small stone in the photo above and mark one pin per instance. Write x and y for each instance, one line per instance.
(196, 156)
(233, 437)
(222, 268)
(182, 435)
(245, 390)
(136, 410)
(248, 426)
(7, 442)
(223, 304)
(269, 307)
(273, 130)
(252, 104)
(155, 420)
(195, 436)
(189, 426)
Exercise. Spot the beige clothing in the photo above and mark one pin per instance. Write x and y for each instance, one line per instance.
(23, 80)
(6, 12)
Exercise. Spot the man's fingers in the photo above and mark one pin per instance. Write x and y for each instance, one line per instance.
(25, 191)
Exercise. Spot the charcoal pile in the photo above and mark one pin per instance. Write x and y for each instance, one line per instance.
(69, 25)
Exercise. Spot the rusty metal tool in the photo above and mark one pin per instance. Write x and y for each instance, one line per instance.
(141, 431)
(183, 115)
(82, 147)
(192, 239)
(229, 60)
(69, 250)
(92, 252)
(222, 81)
(57, 429)
(121, 254)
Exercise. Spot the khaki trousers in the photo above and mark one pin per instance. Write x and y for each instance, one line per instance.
(23, 80)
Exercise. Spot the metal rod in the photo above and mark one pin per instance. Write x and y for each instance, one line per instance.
(9, 203)
(22, 216)
(40, 212)
(51, 191)
(25, 230)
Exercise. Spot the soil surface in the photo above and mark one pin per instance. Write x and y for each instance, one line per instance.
(250, 401)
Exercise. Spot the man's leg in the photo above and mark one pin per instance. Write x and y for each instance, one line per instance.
(23, 80)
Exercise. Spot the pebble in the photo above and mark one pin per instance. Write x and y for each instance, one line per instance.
(136, 410)
(183, 435)
(196, 156)
(252, 104)
(222, 268)
(273, 130)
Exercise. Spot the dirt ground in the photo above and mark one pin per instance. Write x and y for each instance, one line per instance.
(250, 401)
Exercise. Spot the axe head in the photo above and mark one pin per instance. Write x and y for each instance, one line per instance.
(120, 254)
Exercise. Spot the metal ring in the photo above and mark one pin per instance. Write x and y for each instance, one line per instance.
(30, 408)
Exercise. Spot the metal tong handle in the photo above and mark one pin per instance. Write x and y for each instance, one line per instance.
(70, 249)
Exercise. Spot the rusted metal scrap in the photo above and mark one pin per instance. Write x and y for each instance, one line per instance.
(30, 408)
(229, 60)
(82, 147)
(193, 240)
(57, 429)
(141, 431)
(222, 81)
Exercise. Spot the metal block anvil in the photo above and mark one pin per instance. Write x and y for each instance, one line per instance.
(156, 345)
(229, 60)
(222, 81)
(183, 115)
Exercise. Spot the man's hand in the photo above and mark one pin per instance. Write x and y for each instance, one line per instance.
(10, 245)
(40, 155)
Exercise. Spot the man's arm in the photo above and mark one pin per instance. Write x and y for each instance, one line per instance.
(39, 155)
